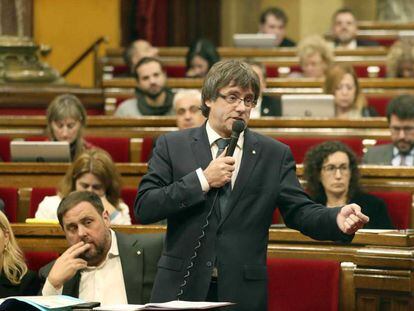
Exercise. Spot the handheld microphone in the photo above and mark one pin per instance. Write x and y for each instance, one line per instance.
(236, 129)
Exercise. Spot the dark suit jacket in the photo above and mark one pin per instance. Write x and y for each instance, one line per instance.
(236, 244)
(28, 286)
(286, 42)
(361, 43)
(270, 106)
(139, 256)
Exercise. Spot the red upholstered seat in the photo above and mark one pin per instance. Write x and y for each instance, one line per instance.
(297, 284)
(128, 196)
(36, 196)
(147, 146)
(276, 217)
(398, 205)
(379, 103)
(117, 147)
(5, 149)
(299, 145)
(11, 198)
(36, 260)
(362, 71)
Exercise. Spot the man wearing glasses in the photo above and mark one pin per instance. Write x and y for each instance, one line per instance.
(216, 242)
(400, 115)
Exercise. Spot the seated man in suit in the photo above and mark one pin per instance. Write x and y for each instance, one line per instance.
(344, 30)
(273, 21)
(100, 265)
(267, 106)
(400, 115)
(152, 98)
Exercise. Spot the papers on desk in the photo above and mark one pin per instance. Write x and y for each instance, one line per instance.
(43, 303)
(171, 305)
(375, 231)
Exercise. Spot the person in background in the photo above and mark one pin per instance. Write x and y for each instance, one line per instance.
(187, 105)
(273, 20)
(137, 50)
(15, 278)
(400, 116)
(66, 119)
(315, 57)
(400, 59)
(332, 176)
(100, 264)
(201, 55)
(152, 97)
(267, 106)
(93, 171)
(344, 30)
(342, 82)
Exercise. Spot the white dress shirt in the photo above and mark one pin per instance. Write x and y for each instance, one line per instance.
(238, 152)
(396, 160)
(104, 283)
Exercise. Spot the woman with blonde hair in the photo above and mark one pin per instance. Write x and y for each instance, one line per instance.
(15, 278)
(342, 82)
(93, 170)
(66, 119)
(400, 59)
(315, 56)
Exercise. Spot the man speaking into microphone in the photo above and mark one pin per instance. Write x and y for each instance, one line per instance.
(219, 206)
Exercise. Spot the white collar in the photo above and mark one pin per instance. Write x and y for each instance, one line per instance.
(213, 136)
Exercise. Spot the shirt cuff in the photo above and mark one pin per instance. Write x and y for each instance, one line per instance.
(49, 289)
(203, 180)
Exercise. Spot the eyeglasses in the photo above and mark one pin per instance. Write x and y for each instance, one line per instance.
(248, 101)
(332, 169)
(405, 129)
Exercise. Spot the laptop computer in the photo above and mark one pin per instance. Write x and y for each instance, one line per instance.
(257, 40)
(308, 105)
(40, 151)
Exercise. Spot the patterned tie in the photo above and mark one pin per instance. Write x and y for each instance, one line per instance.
(225, 191)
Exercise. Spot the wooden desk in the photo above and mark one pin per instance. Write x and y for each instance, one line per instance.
(381, 269)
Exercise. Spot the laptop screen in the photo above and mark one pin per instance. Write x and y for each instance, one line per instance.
(40, 151)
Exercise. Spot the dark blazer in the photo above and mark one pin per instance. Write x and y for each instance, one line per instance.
(361, 43)
(286, 42)
(28, 286)
(237, 243)
(375, 208)
(270, 106)
(139, 256)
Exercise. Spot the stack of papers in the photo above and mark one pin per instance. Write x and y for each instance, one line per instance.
(171, 305)
(43, 303)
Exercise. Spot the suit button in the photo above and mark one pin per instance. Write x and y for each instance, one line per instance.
(209, 264)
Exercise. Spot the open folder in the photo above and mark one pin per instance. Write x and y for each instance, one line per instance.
(171, 305)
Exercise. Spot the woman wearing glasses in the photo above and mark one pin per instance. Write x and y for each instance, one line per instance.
(331, 172)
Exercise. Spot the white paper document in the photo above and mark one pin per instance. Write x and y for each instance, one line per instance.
(171, 305)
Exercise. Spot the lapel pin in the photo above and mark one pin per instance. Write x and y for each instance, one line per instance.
(254, 151)
(139, 252)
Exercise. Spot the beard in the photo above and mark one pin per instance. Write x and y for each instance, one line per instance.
(151, 94)
(97, 253)
(404, 147)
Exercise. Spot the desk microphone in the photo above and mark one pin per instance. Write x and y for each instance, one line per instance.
(236, 129)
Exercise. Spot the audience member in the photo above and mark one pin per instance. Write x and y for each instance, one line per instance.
(93, 171)
(201, 55)
(344, 30)
(315, 57)
(342, 82)
(331, 172)
(400, 59)
(15, 278)
(66, 119)
(152, 95)
(136, 51)
(187, 105)
(266, 105)
(400, 116)
(273, 21)
(100, 265)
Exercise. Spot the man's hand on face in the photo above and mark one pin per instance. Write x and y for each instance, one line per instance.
(68, 264)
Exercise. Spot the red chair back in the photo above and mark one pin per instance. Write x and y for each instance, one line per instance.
(117, 147)
(128, 196)
(379, 103)
(5, 149)
(297, 284)
(10, 198)
(146, 151)
(399, 206)
(36, 196)
(36, 260)
(300, 145)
